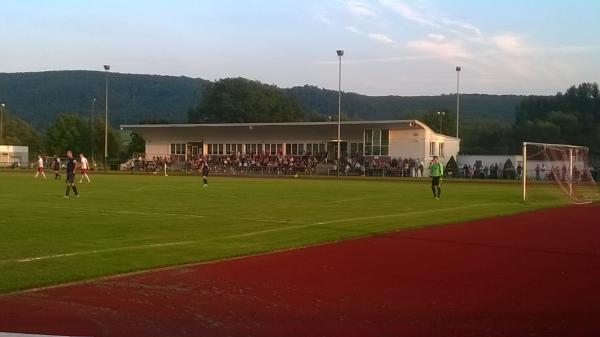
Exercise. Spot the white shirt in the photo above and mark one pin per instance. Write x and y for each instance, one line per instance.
(84, 163)
(41, 163)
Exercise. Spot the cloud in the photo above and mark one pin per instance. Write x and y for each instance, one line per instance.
(409, 13)
(510, 43)
(381, 38)
(360, 9)
(353, 29)
(438, 46)
(436, 37)
(323, 18)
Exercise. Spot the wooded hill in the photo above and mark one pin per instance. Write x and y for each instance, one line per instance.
(39, 97)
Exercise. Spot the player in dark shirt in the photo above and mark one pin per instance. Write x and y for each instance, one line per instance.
(56, 168)
(71, 165)
(205, 169)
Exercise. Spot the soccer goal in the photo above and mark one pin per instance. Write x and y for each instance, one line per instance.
(565, 166)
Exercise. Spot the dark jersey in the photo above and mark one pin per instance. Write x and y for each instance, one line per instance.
(56, 165)
(70, 166)
(205, 170)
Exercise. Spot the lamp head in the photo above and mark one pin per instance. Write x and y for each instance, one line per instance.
(340, 53)
(458, 68)
(107, 67)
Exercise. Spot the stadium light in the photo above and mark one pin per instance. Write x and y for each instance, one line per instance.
(107, 69)
(1, 125)
(441, 114)
(340, 53)
(458, 69)
(92, 128)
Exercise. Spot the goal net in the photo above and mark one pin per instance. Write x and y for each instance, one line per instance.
(566, 167)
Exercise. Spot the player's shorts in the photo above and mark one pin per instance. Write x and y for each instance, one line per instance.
(40, 169)
(435, 181)
(84, 171)
(70, 178)
(205, 173)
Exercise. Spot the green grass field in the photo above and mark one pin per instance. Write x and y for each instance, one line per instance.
(124, 223)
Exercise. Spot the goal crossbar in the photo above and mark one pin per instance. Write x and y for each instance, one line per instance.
(570, 169)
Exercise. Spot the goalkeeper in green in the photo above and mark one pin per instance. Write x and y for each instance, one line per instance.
(437, 171)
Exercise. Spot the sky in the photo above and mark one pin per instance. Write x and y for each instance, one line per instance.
(392, 47)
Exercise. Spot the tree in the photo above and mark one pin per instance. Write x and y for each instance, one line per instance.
(446, 120)
(16, 131)
(238, 100)
(70, 132)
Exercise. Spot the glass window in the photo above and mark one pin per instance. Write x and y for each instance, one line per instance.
(377, 138)
(431, 148)
(385, 151)
(288, 149)
(300, 148)
(368, 137)
(441, 150)
(385, 137)
(295, 149)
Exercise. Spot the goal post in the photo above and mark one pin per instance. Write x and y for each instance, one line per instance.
(565, 166)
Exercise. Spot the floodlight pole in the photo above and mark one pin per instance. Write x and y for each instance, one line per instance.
(340, 53)
(92, 128)
(524, 171)
(107, 68)
(1, 123)
(441, 114)
(457, 97)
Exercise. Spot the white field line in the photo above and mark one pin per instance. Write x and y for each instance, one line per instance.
(180, 243)
(96, 251)
(267, 220)
(383, 216)
(346, 200)
(93, 210)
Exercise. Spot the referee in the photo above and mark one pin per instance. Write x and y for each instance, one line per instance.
(437, 171)
(71, 164)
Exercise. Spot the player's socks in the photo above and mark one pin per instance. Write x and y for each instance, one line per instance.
(75, 190)
(68, 190)
(205, 181)
(433, 190)
(439, 191)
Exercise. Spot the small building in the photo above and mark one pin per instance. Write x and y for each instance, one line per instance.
(13, 155)
(370, 139)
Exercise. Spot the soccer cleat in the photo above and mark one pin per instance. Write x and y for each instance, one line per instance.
(205, 185)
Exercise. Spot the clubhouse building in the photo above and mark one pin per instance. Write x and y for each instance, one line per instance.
(376, 139)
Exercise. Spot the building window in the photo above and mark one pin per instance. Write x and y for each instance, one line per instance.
(432, 148)
(254, 148)
(177, 148)
(315, 148)
(356, 148)
(377, 142)
(441, 150)
(233, 148)
(216, 149)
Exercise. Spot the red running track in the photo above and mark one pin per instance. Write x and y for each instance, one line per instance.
(534, 274)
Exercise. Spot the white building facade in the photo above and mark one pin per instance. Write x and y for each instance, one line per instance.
(377, 139)
(13, 155)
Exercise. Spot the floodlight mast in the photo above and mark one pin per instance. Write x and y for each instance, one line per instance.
(340, 53)
(458, 69)
(107, 69)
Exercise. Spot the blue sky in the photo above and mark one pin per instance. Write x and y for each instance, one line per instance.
(392, 47)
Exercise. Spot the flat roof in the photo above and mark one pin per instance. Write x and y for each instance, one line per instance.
(270, 124)
(408, 122)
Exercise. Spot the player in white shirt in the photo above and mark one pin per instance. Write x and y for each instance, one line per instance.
(40, 167)
(85, 167)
